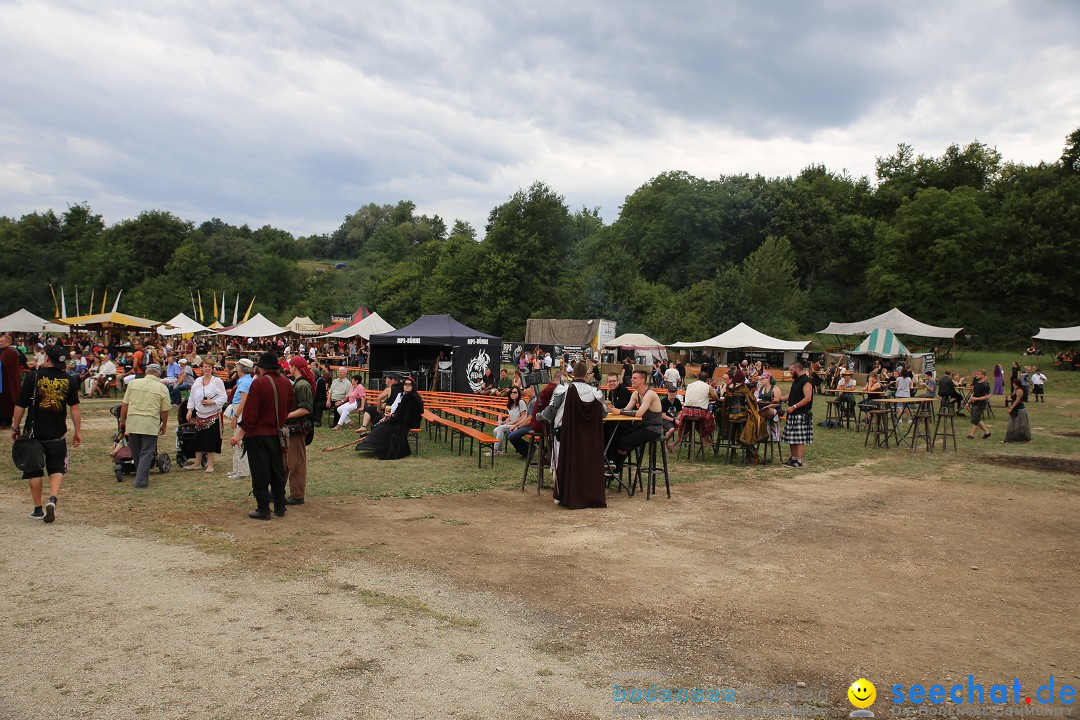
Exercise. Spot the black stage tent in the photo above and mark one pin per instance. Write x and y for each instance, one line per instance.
(415, 348)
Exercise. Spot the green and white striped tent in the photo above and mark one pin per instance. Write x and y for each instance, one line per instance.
(882, 343)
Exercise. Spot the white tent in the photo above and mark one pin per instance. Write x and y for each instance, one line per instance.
(634, 340)
(181, 325)
(24, 321)
(893, 320)
(742, 336)
(647, 349)
(373, 324)
(303, 326)
(257, 326)
(1067, 334)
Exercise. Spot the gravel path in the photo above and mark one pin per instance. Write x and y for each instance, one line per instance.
(99, 624)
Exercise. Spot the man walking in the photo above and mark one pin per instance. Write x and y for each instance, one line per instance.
(980, 397)
(45, 397)
(799, 428)
(258, 430)
(144, 416)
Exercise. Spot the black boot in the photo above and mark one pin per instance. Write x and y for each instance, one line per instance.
(260, 513)
(280, 506)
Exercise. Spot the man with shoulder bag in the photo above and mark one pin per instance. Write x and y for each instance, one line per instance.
(45, 397)
(269, 401)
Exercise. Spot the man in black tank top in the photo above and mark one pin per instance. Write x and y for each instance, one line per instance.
(799, 428)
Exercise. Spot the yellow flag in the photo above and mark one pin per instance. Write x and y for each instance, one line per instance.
(249, 309)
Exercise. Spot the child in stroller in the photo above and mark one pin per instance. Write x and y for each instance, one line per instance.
(185, 437)
(123, 464)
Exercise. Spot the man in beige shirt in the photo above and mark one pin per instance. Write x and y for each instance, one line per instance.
(144, 416)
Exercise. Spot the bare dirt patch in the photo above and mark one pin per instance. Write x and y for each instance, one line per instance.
(499, 604)
(1037, 463)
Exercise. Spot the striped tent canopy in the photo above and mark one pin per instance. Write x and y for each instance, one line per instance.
(882, 343)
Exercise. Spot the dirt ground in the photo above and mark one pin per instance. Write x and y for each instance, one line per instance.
(500, 605)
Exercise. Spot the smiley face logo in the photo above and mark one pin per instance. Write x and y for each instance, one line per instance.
(862, 693)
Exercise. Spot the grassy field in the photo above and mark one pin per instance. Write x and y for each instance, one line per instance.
(439, 470)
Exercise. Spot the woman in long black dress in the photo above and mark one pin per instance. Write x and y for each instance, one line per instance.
(1019, 426)
(389, 439)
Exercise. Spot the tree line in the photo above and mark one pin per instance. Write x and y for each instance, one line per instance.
(965, 238)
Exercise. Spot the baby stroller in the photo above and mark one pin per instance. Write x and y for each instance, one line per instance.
(185, 437)
(123, 464)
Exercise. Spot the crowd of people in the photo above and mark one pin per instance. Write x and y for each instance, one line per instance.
(272, 393)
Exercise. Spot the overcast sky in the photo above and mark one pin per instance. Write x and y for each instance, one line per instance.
(295, 114)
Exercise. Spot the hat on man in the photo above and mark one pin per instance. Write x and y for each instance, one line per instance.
(244, 363)
(268, 361)
(845, 371)
(183, 361)
(153, 367)
(56, 353)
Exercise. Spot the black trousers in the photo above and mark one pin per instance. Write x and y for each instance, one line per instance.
(628, 441)
(267, 470)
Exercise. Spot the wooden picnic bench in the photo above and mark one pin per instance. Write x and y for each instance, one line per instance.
(463, 431)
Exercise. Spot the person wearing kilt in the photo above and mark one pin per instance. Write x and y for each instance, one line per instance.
(799, 428)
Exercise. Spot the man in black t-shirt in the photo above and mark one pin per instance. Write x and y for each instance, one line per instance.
(45, 397)
(980, 397)
(799, 428)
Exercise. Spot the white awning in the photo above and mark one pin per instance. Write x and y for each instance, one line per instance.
(257, 326)
(181, 325)
(24, 321)
(744, 336)
(1067, 334)
(373, 324)
(303, 326)
(634, 340)
(894, 320)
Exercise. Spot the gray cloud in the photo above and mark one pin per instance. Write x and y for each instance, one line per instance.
(296, 114)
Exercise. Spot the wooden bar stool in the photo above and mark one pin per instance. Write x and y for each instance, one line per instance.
(770, 446)
(945, 427)
(832, 413)
(539, 442)
(920, 429)
(691, 429)
(650, 469)
(878, 425)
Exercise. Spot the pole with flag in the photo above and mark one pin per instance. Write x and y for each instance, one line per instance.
(56, 308)
(63, 303)
(249, 309)
(222, 318)
(200, 305)
(236, 309)
(116, 302)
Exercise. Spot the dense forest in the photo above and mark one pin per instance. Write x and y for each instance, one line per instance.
(961, 239)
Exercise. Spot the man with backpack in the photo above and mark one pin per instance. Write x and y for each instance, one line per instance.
(45, 397)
